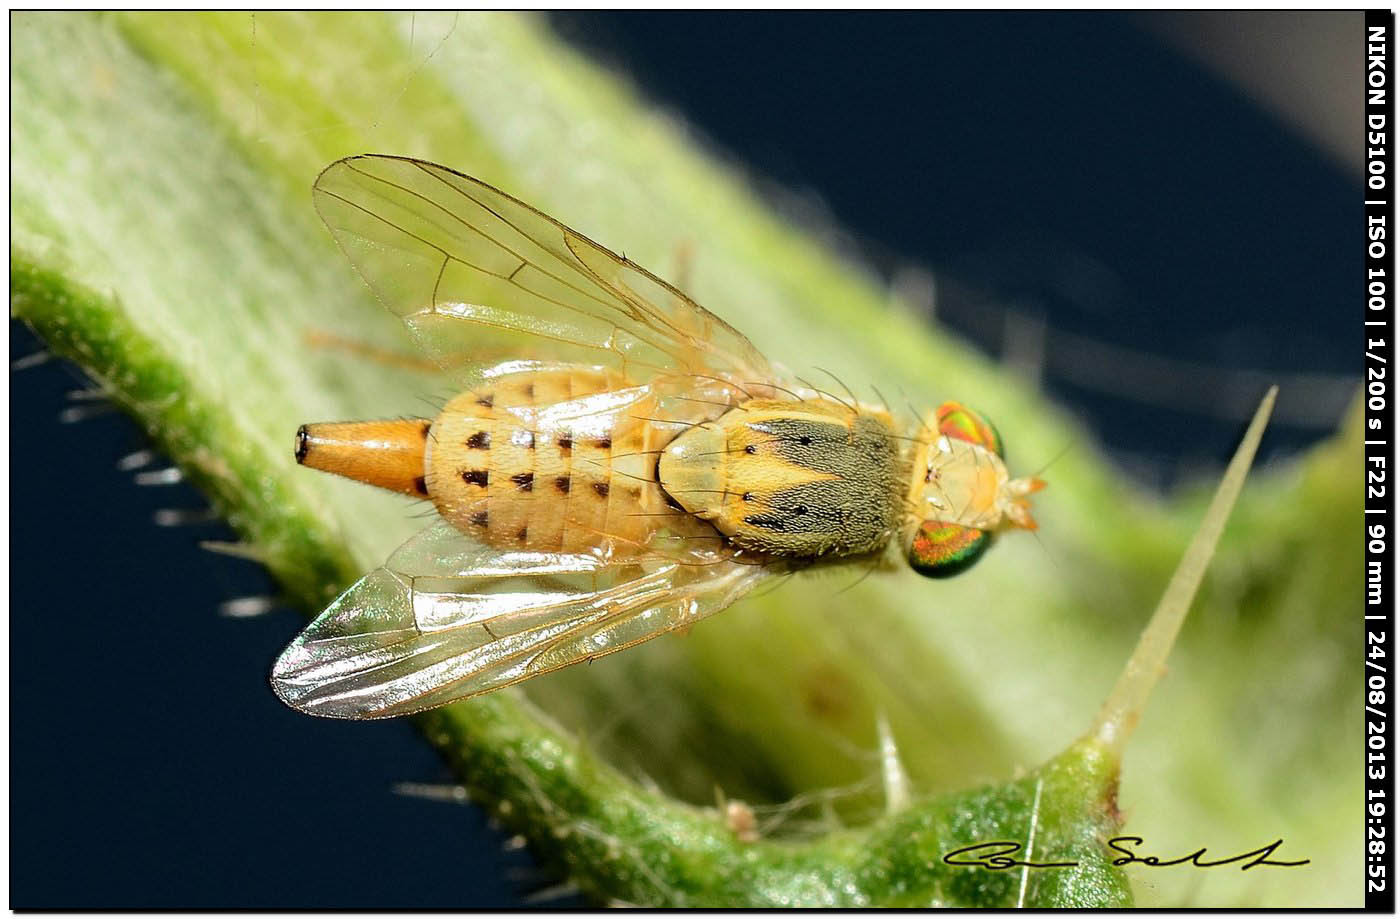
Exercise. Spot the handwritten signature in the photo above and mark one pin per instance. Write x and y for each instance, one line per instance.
(997, 856)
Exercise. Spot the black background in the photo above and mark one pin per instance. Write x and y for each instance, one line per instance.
(1219, 236)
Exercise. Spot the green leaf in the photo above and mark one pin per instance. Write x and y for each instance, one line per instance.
(163, 237)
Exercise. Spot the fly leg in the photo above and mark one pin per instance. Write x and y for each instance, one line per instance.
(321, 339)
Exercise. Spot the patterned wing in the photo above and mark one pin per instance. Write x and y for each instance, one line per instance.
(471, 270)
(447, 618)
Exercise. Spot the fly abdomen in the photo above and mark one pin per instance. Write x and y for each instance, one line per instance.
(554, 461)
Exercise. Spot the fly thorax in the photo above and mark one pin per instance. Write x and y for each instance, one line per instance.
(796, 479)
(692, 470)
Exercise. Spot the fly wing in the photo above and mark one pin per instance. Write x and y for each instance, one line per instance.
(470, 270)
(447, 618)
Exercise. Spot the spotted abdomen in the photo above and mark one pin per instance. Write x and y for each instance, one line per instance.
(555, 461)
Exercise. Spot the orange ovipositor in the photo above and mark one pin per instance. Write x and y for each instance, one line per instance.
(388, 454)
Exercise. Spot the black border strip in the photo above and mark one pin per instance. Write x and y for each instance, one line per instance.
(1379, 328)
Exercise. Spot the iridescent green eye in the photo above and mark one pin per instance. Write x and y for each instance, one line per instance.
(958, 421)
(941, 550)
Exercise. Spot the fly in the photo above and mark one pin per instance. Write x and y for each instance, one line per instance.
(637, 467)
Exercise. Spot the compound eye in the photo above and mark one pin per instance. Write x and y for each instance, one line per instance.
(962, 423)
(941, 550)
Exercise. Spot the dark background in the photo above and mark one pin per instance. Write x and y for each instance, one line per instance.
(1074, 169)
